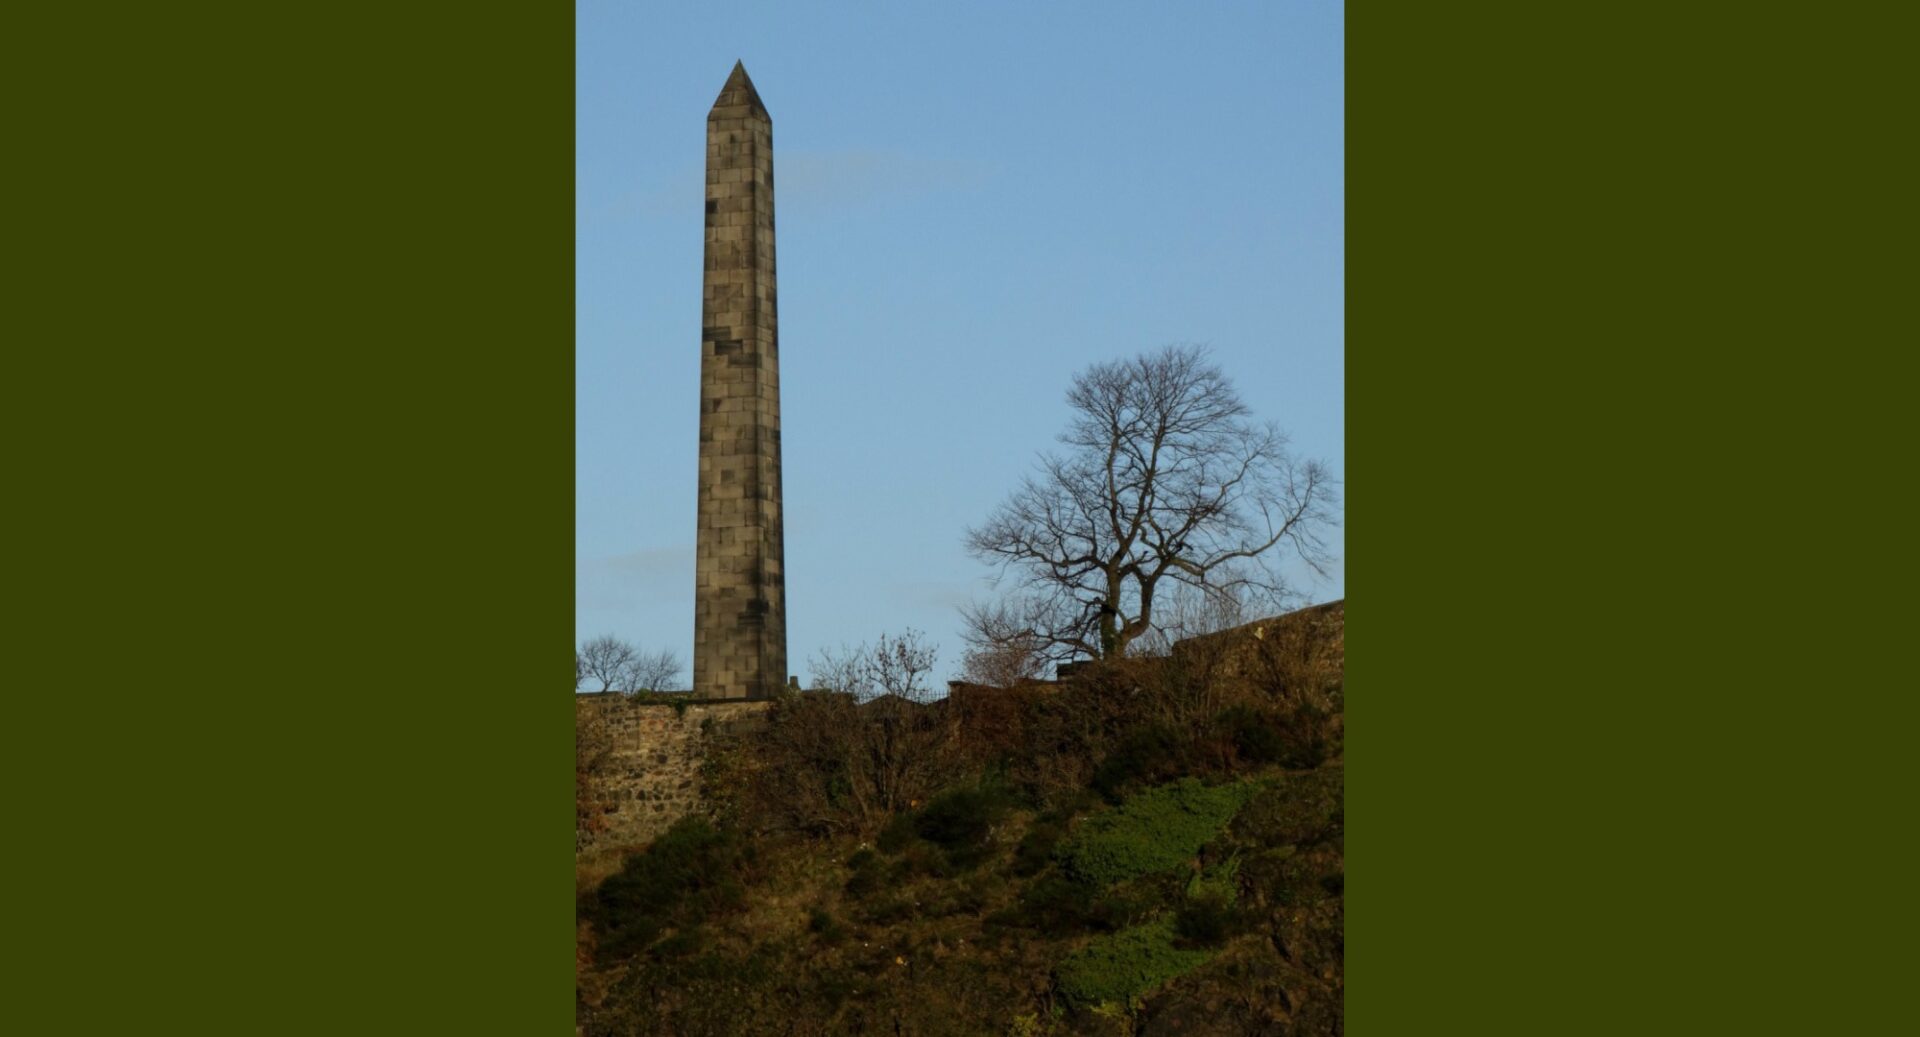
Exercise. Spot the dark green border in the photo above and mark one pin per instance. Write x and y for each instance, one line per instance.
(1621, 521)
(295, 515)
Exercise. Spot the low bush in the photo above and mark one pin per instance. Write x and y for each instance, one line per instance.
(869, 873)
(825, 926)
(1067, 734)
(1057, 904)
(961, 822)
(922, 859)
(1307, 738)
(1208, 916)
(1036, 848)
(1297, 878)
(962, 817)
(957, 900)
(1131, 903)
(953, 832)
(1127, 964)
(1205, 921)
(827, 764)
(1146, 755)
(897, 835)
(690, 872)
(1053, 904)
(1152, 831)
(1294, 810)
(1254, 734)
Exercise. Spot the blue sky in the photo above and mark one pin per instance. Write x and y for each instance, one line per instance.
(975, 202)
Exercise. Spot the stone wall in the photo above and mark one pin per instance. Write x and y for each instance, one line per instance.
(639, 762)
(1304, 651)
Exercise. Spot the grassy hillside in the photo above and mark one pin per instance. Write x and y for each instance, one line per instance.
(1153, 848)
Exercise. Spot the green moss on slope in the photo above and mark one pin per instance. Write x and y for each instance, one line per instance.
(1155, 830)
(1126, 964)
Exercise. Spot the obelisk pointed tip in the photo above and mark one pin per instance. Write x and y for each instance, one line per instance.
(739, 91)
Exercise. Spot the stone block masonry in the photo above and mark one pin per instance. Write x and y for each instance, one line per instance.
(641, 764)
(740, 600)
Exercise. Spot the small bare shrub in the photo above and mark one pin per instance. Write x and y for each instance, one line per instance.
(865, 744)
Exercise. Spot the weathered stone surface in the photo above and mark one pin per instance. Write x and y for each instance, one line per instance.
(1303, 650)
(740, 600)
(642, 764)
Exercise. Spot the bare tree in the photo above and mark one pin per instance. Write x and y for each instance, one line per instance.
(1164, 480)
(651, 671)
(1002, 651)
(1183, 612)
(895, 666)
(900, 666)
(579, 670)
(840, 669)
(605, 659)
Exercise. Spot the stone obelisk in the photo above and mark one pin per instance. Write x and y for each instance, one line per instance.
(740, 599)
